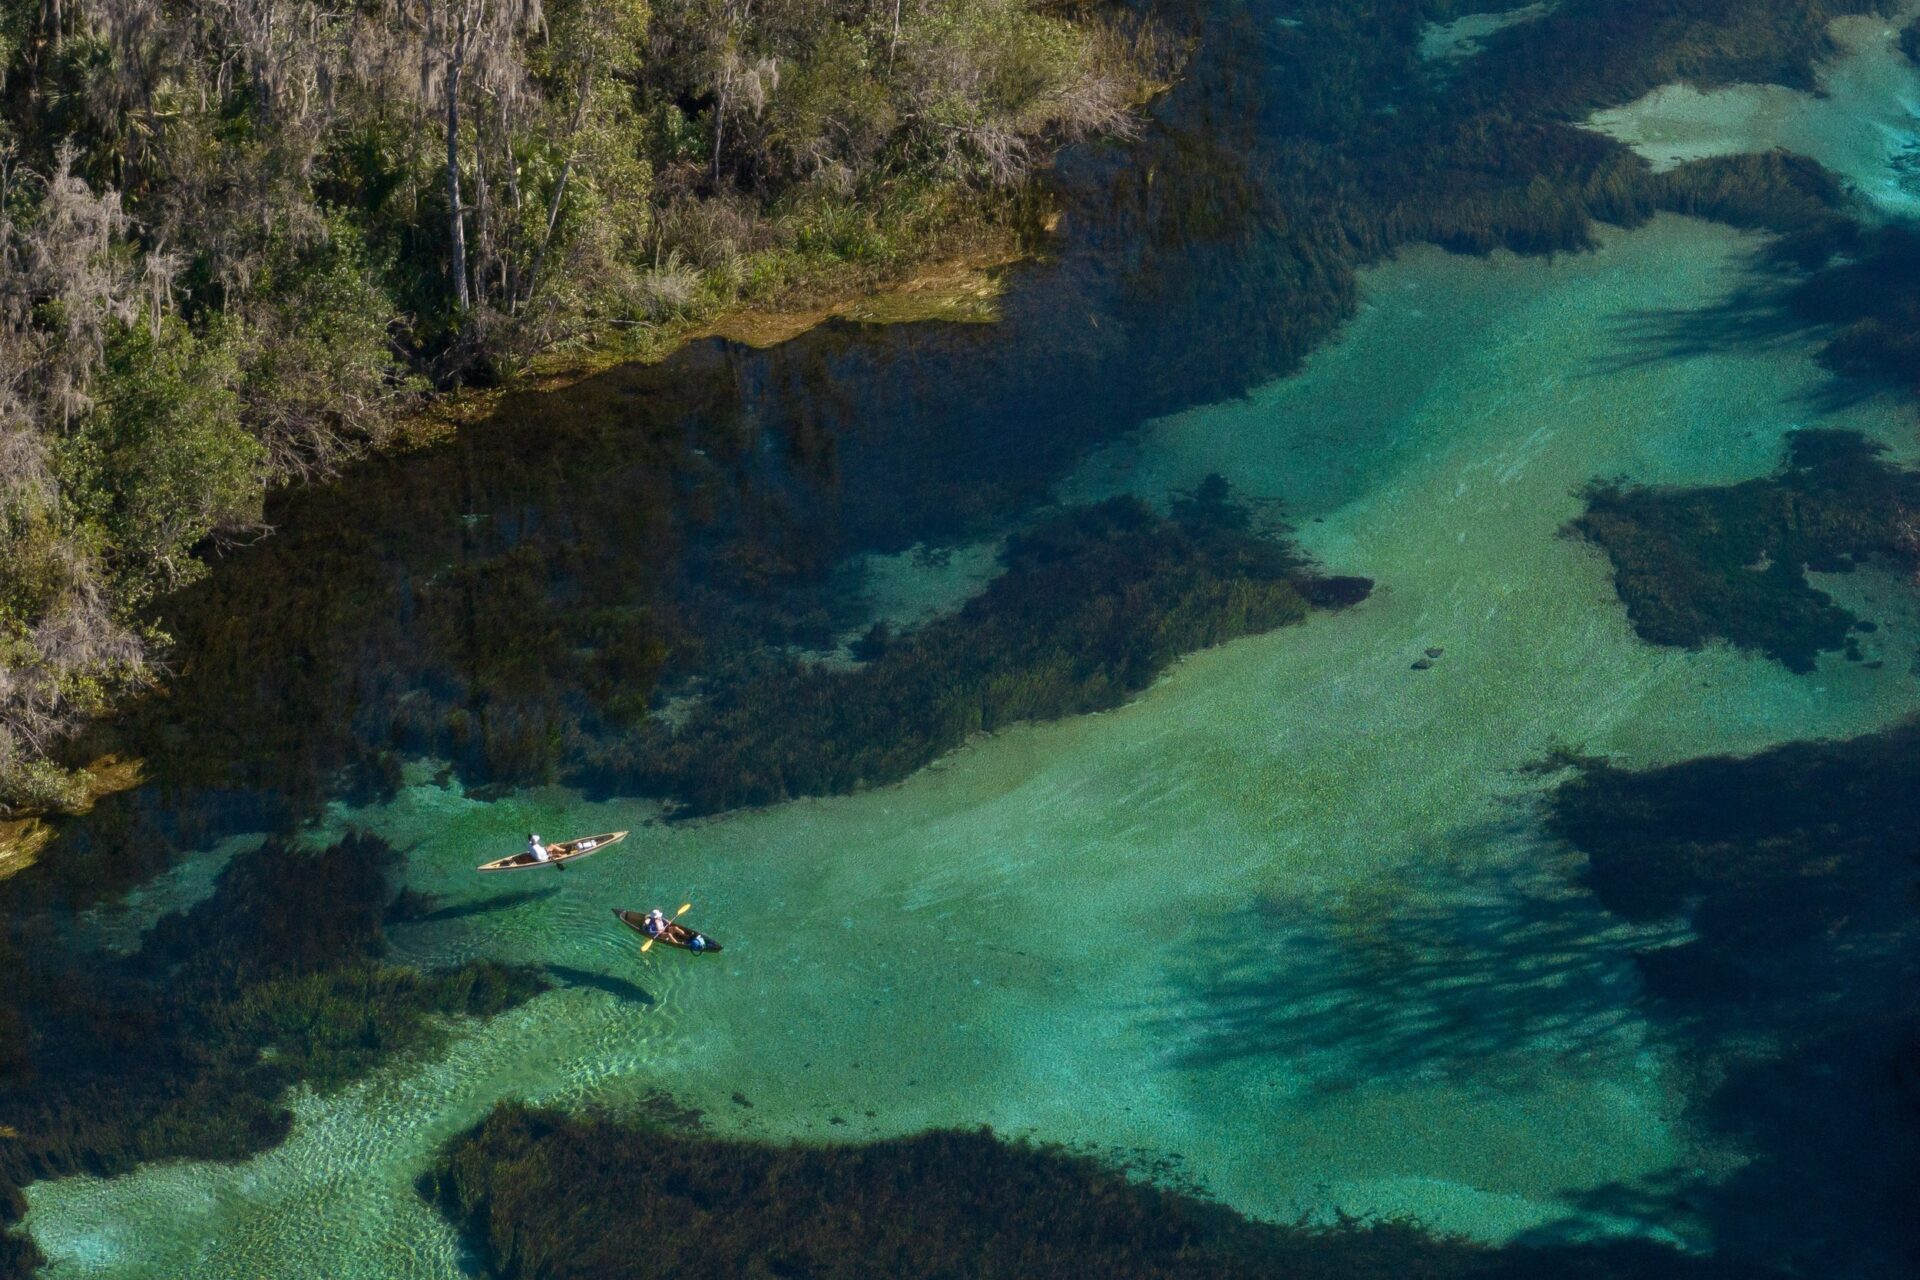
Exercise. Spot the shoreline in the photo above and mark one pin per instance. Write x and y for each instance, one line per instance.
(959, 282)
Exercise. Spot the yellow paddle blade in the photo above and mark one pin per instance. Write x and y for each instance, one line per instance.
(647, 946)
(684, 908)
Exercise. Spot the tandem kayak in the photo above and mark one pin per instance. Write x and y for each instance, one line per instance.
(563, 852)
(677, 935)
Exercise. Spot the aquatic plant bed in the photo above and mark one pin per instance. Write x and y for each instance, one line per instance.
(184, 1048)
(548, 1195)
(1730, 562)
(1094, 603)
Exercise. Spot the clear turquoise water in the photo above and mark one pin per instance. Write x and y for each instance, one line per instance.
(1286, 920)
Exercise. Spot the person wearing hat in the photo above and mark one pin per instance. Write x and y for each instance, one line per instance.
(538, 850)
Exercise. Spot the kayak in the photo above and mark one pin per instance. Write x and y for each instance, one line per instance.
(677, 935)
(563, 852)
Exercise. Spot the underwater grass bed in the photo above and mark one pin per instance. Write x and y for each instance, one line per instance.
(544, 1194)
(1730, 562)
(1872, 298)
(186, 1048)
(1758, 849)
(1795, 872)
(1093, 604)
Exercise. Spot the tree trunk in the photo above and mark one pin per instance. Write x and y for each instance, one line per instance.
(458, 224)
(560, 187)
(483, 246)
(720, 119)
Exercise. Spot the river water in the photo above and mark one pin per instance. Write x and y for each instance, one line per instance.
(1286, 925)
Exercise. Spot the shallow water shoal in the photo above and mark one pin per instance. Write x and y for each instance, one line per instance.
(1284, 920)
(1864, 125)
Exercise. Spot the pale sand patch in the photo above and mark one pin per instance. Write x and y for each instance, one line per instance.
(1464, 37)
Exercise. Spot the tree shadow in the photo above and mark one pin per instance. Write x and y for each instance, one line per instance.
(1767, 316)
(1670, 1197)
(620, 988)
(1470, 977)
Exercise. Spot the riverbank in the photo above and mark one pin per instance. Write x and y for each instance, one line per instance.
(959, 280)
(250, 319)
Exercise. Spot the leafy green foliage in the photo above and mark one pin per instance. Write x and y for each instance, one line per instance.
(162, 461)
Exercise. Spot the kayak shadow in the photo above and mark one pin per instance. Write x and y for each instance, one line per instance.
(620, 988)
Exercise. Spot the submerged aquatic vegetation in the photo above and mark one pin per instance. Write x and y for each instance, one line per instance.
(1730, 562)
(539, 1193)
(1776, 191)
(1094, 603)
(1758, 849)
(185, 1048)
(1792, 999)
(1873, 299)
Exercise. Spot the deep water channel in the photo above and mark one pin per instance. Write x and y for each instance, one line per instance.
(1287, 926)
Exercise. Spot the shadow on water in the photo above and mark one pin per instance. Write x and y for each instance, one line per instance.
(1786, 309)
(1471, 980)
(422, 913)
(587, 979)
(1792, 1006)
(1756, 319)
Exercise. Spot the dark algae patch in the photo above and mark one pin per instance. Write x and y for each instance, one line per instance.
(185, 1048)
(1093, 604)
(542, 1194)
(1790, 994)
(1872, 299)
(1759, 849)
(1730, 562)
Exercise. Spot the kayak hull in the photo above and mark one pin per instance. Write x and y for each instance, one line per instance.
(562, 853)
(677, 935)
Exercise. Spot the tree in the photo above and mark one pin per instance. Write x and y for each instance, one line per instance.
(459, 39)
